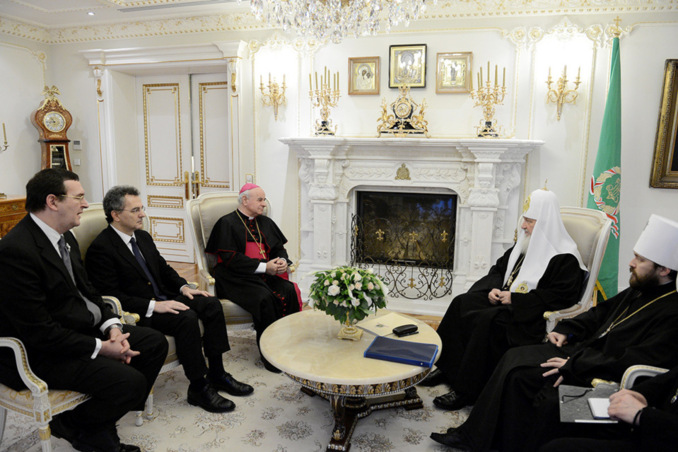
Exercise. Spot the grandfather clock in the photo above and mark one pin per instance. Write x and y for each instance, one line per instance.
(52, 121)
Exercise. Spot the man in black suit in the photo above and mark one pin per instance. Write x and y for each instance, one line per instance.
(124, 262)
(73, 340)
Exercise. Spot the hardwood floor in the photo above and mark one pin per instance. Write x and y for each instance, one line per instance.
(190, 273)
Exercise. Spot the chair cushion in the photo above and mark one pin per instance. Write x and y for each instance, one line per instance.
(23, 401)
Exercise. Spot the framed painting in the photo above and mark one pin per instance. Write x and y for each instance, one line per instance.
(453, 72)
(407, 66)
(665, 161)
(363, 76)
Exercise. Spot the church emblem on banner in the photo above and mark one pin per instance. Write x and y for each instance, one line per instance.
(605, 191)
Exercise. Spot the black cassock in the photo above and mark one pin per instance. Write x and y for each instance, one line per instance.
(518, 408)
(475, 333)
(266, 297)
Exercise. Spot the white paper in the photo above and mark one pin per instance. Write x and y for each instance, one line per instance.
(599, 407)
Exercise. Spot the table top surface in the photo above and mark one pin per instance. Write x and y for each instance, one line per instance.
(305, 345)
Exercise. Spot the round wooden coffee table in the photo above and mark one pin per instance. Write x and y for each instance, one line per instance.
(306, 348)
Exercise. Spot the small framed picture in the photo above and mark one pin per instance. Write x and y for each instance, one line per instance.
(453, 72)
(407, 66)
(665, 161)
(363, 76)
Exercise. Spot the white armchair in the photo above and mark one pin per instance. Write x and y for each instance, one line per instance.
(638, 371)
(590, 229)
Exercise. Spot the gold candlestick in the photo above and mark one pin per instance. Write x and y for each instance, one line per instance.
(325, 95)
(562, 94)
(275, 95)
(488, 95)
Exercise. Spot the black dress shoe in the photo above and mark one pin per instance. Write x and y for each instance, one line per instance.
(454, 440)
(435, 378)
(451, 401)
(209, 400)
(96, 440)
(226, 382)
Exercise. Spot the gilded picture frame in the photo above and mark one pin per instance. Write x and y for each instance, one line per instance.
(363, 76)
(453, 72)
(407, 66)
(665, 161)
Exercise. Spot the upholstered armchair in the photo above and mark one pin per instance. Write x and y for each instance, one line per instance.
(204, 211)
(37, 401)
(639, 371)
(590, 229)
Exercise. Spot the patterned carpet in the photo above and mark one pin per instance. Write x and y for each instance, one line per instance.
(278, 417)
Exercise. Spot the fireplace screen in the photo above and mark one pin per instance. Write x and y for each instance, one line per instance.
(408, 239)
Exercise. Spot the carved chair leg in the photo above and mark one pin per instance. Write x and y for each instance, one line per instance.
(45, 438)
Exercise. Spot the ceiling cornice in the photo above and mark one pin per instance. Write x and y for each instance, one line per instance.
(445, 11)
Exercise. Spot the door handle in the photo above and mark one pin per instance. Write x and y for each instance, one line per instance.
(196, 183)
(187, 181)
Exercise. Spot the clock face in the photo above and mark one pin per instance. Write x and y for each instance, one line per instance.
(54, 121)
(402, 109)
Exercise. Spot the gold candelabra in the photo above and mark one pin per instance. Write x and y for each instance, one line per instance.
(488, 96)
(561, 94)
(325, 95)
(4, 146)
(275, 95)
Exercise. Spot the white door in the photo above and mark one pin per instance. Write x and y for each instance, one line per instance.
(184, 133)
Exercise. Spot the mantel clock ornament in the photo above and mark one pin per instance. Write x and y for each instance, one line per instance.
(52, 121)
(407, 118)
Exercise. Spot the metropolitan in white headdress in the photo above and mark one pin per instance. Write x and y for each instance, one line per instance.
(534, 251)
(659, 242)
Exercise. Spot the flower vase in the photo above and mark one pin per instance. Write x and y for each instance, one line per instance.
(350, 332)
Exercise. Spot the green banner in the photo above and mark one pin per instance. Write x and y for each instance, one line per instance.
(605, 186)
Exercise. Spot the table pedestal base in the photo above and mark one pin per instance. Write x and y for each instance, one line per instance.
(347, 410)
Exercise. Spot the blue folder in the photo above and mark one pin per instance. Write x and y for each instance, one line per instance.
(399, 351)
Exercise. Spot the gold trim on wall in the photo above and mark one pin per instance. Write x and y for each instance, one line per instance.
(154, 222)
(170, 202)
(665, 161)
(206, 181)
(147, 90)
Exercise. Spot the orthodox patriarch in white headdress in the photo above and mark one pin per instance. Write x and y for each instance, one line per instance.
(542, 272)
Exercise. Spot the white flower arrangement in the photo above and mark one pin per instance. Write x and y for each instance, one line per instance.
(347, 293)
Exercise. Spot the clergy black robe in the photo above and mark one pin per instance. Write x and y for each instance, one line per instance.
(264, 296)
(657, 429)
(518, 405)
(475, 333)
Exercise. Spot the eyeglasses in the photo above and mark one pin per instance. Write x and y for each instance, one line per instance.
(78, 197)
(135, 210)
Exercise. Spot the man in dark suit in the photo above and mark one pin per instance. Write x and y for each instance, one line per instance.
(124, 262)
(73, 340)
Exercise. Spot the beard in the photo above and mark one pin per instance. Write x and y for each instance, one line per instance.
(525, 244)
(642, 282)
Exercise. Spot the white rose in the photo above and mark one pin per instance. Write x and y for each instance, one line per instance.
(335, 282)
(327, 282)
(333, 274)
(370, 286)
(357, 277)
(355, 302)
(351, 287)
(359, 285)
(333, 290)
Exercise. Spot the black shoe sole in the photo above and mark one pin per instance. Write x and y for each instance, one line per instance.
(210, 408)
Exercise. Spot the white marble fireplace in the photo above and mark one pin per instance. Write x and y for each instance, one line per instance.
(487, 175)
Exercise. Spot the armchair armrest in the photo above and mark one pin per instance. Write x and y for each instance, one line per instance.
(129, 318)
(640, 370)
(206, 281)
(32, 382)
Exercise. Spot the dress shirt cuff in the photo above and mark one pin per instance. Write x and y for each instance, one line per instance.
(104, 326)
(260, 269)
(97, 348)
(151, 307)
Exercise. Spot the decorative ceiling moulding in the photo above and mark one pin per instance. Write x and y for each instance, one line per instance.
(301, 45)
(24, 30)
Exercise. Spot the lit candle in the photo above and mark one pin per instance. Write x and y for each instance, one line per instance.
(503, 79)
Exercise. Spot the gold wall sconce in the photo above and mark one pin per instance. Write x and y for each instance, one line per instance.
(275, 95)
(3, 147)
(561, 94)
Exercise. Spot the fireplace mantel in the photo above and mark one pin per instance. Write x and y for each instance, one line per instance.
(486, 174)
